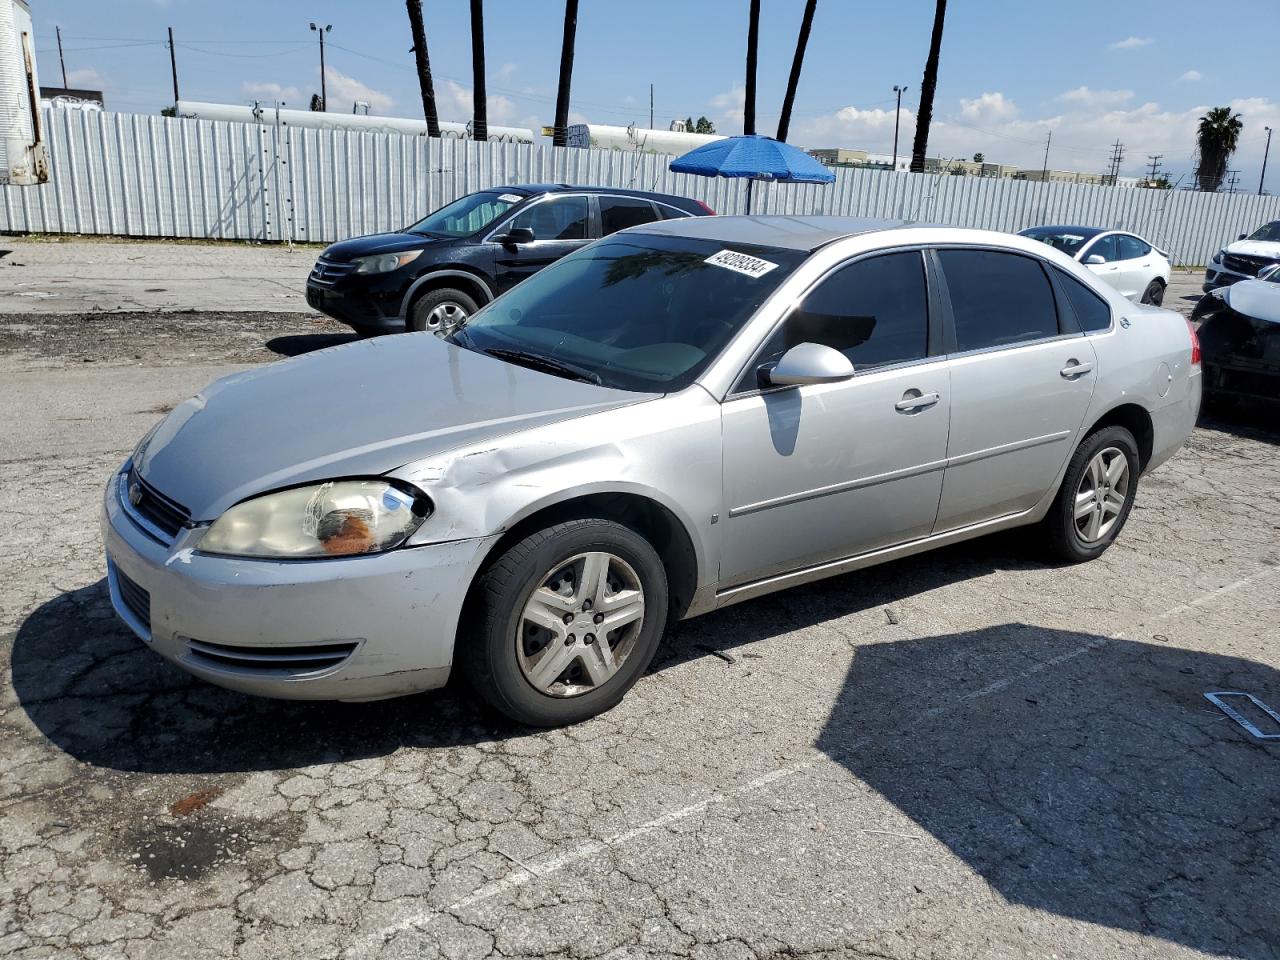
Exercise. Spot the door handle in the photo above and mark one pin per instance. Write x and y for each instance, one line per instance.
(918, 402)
(1075, 369)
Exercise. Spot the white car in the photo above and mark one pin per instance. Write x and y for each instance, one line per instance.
(1133, 266)
(1244, 259)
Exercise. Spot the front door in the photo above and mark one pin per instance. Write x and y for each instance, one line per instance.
(1021, 384)
(1135, 265)
(817, 473)
(1109, 269)
(560, 225)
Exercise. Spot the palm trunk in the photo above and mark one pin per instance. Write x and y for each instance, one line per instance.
(559, 132)
(806, 24)
(480, 114)
(424, 67)
(924, 116)
(753, 42)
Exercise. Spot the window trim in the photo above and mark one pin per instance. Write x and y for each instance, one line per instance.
(952, 343)
(521, 209)
(933, 326)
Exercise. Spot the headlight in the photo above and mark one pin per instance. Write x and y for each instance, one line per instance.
(338, 519)
(1217, 257)
(385, 262)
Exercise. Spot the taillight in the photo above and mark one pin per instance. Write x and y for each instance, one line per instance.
(1195, 345)
(710, 212)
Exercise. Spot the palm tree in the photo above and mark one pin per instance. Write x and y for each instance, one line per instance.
(424, 67)
(753, 41)
(806, 23)
(924, 115)
(1217, 137)
(559, 132)
(480, 108)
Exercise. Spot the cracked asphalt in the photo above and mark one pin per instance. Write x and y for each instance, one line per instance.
(970, 753)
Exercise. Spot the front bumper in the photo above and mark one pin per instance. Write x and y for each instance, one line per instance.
(364, 303)
(1216, 276)
(357, 628)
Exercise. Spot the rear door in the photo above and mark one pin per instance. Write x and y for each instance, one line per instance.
(561, 224)
(1022, 377)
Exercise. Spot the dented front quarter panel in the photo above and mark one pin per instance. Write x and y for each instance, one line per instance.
(666, 449)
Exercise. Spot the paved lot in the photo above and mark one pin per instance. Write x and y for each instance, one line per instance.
(966, 754)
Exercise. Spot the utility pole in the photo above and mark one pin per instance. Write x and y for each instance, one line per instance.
(1265, 153)
(1047, 140)
(897, 115)
(173, 65)
(324, 97)
(1155, 167)
(1117, 155)
(651, 106)
(1232, 179)
(58, 31)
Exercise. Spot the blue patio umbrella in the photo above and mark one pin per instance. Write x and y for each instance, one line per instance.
(755, 158)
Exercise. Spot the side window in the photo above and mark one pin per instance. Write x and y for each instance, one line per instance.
(874, 312)
(1105, 248)
(1131, 248)
(618, 213)
(561, 218)
(670, 213)
(1090, 309)
(998, 299)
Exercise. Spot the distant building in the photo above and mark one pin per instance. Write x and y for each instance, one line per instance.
(959, 167)
(1063, 176)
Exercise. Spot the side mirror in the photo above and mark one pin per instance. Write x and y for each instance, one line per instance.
(1094, 259)
(1242, 236)
(808, 363)
(515, 236)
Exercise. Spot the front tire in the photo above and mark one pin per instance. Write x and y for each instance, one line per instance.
(1096, 496)
(565, 622)
(1154, 294)
(440, 311)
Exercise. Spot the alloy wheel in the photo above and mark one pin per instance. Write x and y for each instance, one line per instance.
(445, 316)
(1102, 494)
(580, 624)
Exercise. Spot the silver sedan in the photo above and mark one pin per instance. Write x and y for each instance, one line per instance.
(677, 418)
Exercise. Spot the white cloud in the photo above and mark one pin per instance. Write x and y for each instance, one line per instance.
(506, 70)
(343, 91)
(271, 92)
(457, 103)
(85, 77)
(1130, 43)
(1191, 76)
(1085, 97)
(988, 107)
(732, 110)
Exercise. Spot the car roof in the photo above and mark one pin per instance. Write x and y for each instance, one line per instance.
(1072, 228)
(533, 189)
(792, 233)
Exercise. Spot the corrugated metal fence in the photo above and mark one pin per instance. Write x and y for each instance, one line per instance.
(150, 176)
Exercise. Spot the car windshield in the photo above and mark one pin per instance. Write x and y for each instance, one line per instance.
(1269, 233)
(635, 312)
(466, 215)
(1068, 241)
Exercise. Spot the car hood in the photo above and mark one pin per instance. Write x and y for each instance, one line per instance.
(375, 243)
(1255, 248)
(360, 409)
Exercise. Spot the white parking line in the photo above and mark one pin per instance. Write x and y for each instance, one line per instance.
(535, 869)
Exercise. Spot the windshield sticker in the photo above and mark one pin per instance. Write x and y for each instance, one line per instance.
(510, 197)
(741, 263)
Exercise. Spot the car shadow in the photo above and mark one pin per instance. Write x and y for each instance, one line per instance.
(295, 345)
(1248, 419)
(101, 695)
(1100, 785)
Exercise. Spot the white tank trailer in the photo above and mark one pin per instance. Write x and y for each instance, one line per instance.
(635, 139)
(23, 159)
(266, 113)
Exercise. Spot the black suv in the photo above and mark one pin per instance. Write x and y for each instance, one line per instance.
(452, 262)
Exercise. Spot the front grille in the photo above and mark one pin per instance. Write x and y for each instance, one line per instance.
(327, 272)
(135, 599)
(149, 504)
(275, 661)
(1244, 264)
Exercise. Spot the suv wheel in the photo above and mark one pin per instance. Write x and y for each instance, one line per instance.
(1096, 496)
(565, 622)
(441, 310)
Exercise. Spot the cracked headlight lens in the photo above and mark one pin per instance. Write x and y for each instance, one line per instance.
(338, 519)
(385, 262)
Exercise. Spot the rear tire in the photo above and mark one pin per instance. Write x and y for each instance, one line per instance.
(441, 310)
(1154, 294)
(1096, 496)
(515, 618)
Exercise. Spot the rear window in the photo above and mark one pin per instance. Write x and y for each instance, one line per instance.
(1092, 312)
(618, 213)
(998, 299)
(1131, 248)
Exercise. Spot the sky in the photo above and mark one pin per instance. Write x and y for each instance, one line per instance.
(1091, 71)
